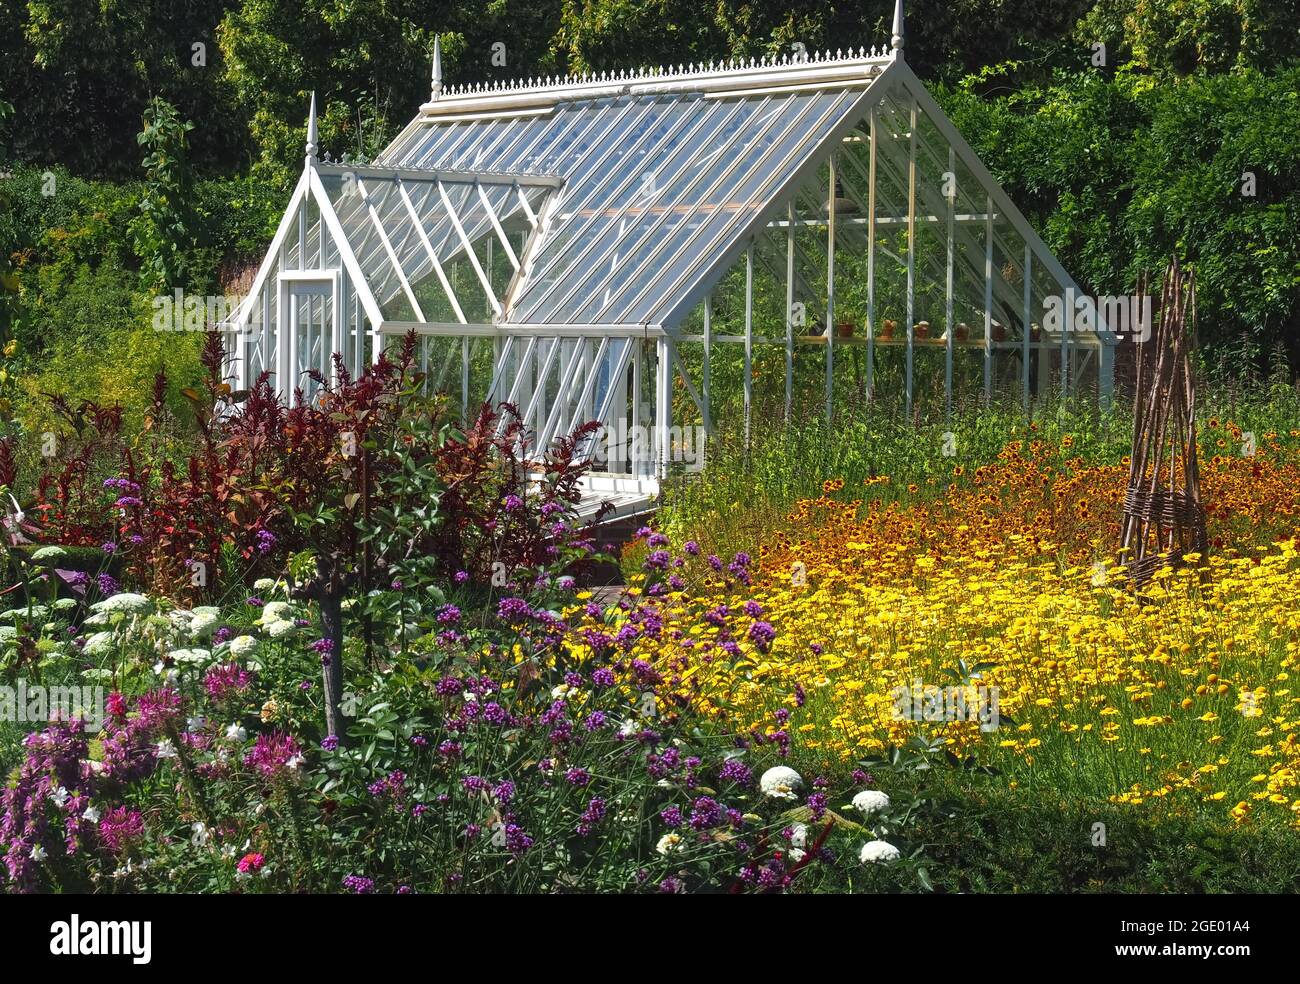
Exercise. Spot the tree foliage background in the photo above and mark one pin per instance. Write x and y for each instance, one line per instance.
(171, 131)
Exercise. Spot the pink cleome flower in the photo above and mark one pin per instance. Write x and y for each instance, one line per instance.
(274, 754)
(120, 827)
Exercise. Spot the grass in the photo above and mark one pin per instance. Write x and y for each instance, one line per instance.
(985, 838)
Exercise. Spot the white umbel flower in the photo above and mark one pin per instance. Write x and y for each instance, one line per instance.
(276, 611)
(34, 614)
(870, 801)
(280, 629)
(98, 644)
(203, 624)
(125, 601)
(878, 852)
(243, 646)
(780, 782)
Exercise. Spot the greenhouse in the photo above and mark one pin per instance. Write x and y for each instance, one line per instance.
(661, 251)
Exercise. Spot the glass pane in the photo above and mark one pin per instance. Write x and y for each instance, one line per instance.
(636, 204)
(589, 205)
(506, 152)
(473, 152)
(442, 142)
(693, 240)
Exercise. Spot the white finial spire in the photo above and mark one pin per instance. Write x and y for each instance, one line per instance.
(313, 136)
(435, 89)
(897, 40)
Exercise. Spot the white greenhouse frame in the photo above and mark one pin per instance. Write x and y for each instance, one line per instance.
(578, 229)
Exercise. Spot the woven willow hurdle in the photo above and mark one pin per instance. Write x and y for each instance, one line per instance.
(1163, 516)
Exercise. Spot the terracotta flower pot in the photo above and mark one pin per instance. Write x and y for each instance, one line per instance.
(999, 333)
(961, 332)
(845, 329)
(922, 330)
(887, 328)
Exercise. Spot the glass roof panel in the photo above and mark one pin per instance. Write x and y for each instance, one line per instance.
(700, 230)
(685, 209)
(642, 187)
(505, 151)
(402, 228)
(656, 186)
(585, 215)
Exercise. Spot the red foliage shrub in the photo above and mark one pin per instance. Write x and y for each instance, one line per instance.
(503, 504)
(251, 483)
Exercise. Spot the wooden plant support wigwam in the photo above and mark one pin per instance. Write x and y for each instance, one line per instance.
(1163, 516)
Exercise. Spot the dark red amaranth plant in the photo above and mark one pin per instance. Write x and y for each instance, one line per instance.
(504, 504)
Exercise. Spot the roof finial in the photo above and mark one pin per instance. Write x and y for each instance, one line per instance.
(436, 85)
(897, 40)
(313, 136)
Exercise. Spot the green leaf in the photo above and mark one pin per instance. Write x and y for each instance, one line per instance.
(923, 877)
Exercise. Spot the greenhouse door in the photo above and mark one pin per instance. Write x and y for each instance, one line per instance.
(309, 317)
